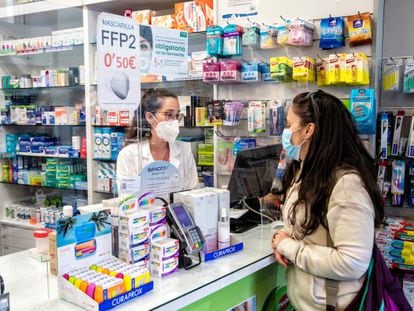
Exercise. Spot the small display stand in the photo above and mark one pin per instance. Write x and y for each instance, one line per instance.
(235, 247)
(81, 242)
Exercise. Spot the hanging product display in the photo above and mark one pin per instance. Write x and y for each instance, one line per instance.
(214, 41)
(250, 72)
(283, 32)
(268, 36)
(385, 136)
(230, 71)
(256, 117)
(276, 117)
(410, 144)
(304, 69)
(408, 84)
(264, 69)
(397, 182)
(363, 109)
(359, 29)
(251, 36)
(301, 32)
(357, 69)
(398, 142)
(232, 113)
(281, 68)
(391, 74)
(332, 33)
(337, 68)
(322, 71)
(232, 42)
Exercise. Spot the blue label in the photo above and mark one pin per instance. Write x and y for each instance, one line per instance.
(357, 23)
(121, 299)
(223, 252)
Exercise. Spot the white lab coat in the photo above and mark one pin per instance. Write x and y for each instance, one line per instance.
(181, 157)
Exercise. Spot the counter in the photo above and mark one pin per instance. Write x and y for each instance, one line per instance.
(26, 279)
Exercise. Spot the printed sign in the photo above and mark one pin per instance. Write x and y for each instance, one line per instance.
(238, 8)
(160, 178)
(118, 47)
(164, 51)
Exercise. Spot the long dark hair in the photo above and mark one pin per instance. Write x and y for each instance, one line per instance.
(151, 101)
(335, 146)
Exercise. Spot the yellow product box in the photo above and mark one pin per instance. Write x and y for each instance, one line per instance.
(337, 68)
(304, 69)
(322, 72)
(164, 21)
(143, 17)
(357, 69)
(53, 253)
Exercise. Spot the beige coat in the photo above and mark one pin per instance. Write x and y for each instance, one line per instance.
(351, 226)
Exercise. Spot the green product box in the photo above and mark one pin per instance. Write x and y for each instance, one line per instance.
(205, 158)
(205, 148)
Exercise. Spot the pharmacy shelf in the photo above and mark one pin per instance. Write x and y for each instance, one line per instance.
(120, 126)
(38, 7)
(114, 7)
(172, 84)
(41, 155)
(104, 192)
(43, 125)
(20, 224)
(104, 160)
(40, 186)
(22, 89)
(399, 211)
(43, 50)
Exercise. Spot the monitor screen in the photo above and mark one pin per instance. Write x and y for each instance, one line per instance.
(253, 173)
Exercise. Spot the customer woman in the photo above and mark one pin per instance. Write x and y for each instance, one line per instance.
(331, 198)
(160, 112)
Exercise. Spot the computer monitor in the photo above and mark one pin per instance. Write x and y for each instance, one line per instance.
(253, 172)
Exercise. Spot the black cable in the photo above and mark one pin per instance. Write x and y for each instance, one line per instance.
(163, 200)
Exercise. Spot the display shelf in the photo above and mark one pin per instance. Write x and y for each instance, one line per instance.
(40, 186)
(105, 192)
(173, 84)
(43, 50)
(44, 125)
(21, 224)
(38, 7)
(399, 211)
(104, 160)
(120, 126)
(22, 89)
(41, 155)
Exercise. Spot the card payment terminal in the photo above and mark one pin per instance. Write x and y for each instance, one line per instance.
(184, 227)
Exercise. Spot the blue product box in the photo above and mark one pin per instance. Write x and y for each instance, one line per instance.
(24, 144)
(250, 72)
(51, 150)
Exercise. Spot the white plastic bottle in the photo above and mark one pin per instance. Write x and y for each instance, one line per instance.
(223, 229)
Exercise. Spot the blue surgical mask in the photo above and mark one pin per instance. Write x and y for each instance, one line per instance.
(292, 151)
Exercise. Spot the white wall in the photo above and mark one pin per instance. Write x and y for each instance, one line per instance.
(270, 10)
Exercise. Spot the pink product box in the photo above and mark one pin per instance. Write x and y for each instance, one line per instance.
(211, 72)
(230, 71)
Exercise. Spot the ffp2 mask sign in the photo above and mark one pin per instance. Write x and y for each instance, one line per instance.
(118, 62)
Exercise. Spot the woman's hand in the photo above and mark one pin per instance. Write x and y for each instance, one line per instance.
(277, 238)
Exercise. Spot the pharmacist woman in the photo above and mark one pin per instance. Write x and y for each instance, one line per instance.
(160, 112)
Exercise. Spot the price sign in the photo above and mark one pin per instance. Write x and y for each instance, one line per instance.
(118, 52)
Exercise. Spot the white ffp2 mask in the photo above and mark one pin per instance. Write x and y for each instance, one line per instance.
(168, 130)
